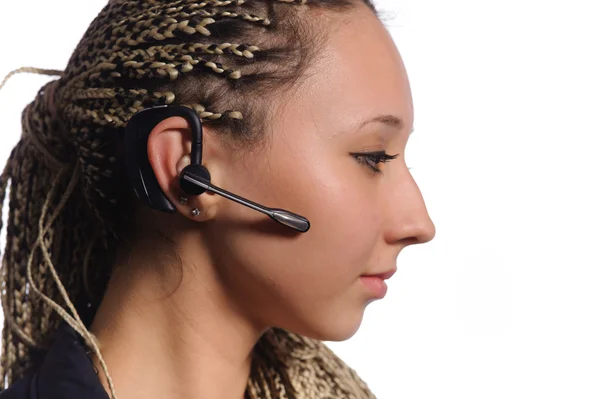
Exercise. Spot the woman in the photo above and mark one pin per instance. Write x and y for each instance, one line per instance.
(302, 104)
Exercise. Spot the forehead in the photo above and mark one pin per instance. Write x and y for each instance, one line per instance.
(358, 74)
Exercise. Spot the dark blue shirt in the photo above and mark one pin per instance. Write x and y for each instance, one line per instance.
(65, 372)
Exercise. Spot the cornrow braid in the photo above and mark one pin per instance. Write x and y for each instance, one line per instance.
(152, 68)
(242, 50)
(168, 26)
(293, 1)
(137, 54)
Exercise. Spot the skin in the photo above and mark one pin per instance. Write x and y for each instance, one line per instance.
(191, 327)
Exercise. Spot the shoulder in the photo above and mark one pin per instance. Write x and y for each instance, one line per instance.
(24, 388)
(64, 372)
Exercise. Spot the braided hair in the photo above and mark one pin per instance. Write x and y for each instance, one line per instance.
(68, 191)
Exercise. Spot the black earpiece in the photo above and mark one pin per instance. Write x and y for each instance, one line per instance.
(194, 179)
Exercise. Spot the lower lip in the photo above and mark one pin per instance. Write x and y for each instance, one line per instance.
(375, 284)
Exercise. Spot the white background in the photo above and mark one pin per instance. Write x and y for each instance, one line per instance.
(503, 303)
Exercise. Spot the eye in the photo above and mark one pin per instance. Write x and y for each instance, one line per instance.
(372, 159)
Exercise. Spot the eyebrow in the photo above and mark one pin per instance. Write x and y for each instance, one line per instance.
(390, 120)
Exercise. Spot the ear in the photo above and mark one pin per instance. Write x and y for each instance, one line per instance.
(169, 148)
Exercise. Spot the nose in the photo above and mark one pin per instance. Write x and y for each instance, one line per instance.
(408, 220)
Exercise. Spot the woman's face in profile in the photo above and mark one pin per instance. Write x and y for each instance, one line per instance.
(355, 99)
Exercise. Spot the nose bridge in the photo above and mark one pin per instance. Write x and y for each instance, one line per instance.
(407, 215)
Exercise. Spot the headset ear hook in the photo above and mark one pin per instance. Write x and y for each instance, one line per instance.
(137, 131)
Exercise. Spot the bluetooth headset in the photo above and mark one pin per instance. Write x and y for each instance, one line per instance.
(194, 178)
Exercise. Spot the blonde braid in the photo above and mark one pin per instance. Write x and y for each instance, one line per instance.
(137, 54)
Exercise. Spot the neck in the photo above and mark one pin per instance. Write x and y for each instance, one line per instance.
(172, 332)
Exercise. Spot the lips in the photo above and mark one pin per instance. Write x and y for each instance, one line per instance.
(375, 285)
(384, 276)
(376, 282)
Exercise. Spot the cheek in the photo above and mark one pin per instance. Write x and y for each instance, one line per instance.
(340, 204)
(301, 269)
(345, 226)
(336, 249)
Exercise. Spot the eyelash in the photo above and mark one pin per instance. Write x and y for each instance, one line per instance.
(375, 157)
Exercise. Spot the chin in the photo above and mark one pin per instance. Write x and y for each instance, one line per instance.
(334, 328)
